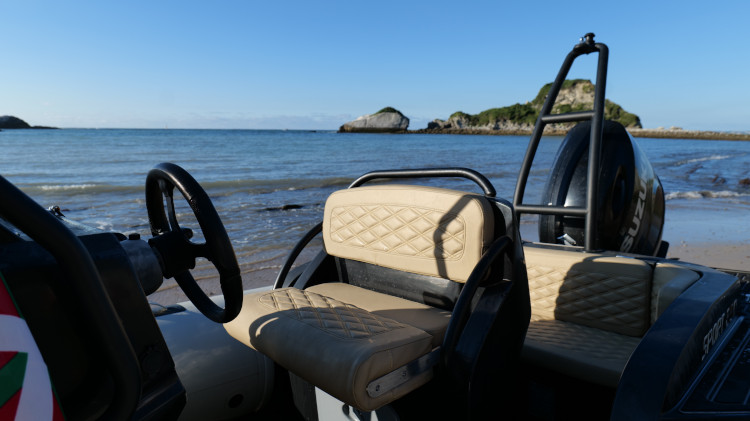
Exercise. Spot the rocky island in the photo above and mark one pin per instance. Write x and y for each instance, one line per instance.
(518, 119)
(387, 120)
(11, 122)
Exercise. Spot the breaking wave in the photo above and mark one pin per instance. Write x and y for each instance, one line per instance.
(79, 188)
(67, 187)
(702, 194)
(248, 186)
(703, 159)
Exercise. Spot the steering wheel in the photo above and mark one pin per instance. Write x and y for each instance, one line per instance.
(177, 253)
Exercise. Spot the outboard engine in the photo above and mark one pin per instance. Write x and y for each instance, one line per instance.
(630, 200)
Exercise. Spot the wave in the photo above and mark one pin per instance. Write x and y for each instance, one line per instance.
(274, 185)
(78, 188)
(702, 194)
(67, 187)
(703, 159)
(254, 186)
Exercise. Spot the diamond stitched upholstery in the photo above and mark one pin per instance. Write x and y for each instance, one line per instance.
(578, 351)
(616, 303)
(333, 316)
(338, 347)
(588, 312)
(429, 319)
(404, 230)
(609, 293)
(417, 229)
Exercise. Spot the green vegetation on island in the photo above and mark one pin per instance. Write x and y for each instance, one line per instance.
(575, 95)
(585, 85)
(518, 113)
(389, 110)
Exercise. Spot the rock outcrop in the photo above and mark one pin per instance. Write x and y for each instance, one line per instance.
(10, 122)
(387, 120)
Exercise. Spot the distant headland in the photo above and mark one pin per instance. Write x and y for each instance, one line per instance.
(11, 122)
(518, 119)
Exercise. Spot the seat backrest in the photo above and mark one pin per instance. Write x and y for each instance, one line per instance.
(608, 292)
(420, 230)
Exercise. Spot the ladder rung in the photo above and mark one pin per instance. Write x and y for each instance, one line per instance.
(552, 210)
(568, 117)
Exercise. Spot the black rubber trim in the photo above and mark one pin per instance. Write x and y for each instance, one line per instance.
(457, 172)
(75, 261)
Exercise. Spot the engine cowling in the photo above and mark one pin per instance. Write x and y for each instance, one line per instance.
(630, 200)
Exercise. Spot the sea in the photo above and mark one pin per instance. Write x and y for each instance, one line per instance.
(269, 186)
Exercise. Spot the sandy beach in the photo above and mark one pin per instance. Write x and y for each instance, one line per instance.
(254, 275)
(735, 256)
(692, 237)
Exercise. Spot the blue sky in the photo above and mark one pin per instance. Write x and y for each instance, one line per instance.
(317, 64)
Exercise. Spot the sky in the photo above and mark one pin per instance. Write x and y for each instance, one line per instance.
(318, 64)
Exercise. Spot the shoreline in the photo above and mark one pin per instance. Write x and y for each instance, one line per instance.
(724, 247)
(724, 255)
(646, 133)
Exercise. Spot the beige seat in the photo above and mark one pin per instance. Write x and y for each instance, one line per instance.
(365, 347)
(590, 310)
(431, 320)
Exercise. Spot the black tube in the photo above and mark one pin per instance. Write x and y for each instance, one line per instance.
(567, 117)
(317, 229)
(75, 261)
(462, 309)
(551, 210)
(586, 46)
(536, 136)
(597, 131)
(476, 177)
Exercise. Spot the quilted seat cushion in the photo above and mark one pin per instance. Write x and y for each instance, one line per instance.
(578, 351)
(588, 312)
(336, 346)
(429, 319)
(417, 229)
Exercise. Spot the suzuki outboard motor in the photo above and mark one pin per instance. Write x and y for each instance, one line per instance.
(630, 199)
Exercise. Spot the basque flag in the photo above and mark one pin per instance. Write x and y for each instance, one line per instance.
(25, 387)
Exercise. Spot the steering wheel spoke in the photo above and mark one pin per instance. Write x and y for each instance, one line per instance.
(201, 250)
(178, 253)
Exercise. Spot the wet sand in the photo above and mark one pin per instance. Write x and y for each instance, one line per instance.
(693, 237)
(735, 256)
(254, 275)
(726, 255)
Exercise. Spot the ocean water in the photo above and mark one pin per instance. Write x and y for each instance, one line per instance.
(97, 177)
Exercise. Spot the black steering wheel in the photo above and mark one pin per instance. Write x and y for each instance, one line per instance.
(177, 253)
